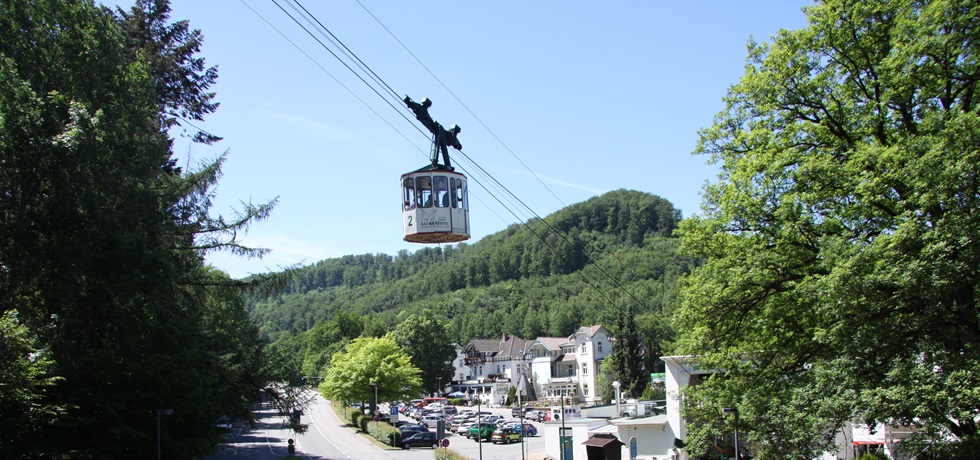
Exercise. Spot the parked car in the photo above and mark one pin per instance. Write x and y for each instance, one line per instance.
(432, 420)
(505, 436)
(409, 429)
(464, 428)
(516, 411)
(526, 429)
(536, 415)
(482, 431)
(425, 439)
(502, 422)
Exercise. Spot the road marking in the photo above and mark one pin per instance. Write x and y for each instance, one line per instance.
(313, 421)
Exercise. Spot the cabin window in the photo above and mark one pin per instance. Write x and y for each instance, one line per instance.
(423, 191)
(408, 193)
(440, 186)
(458, 192)
(454, 201)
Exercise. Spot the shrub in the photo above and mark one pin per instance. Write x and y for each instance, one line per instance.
(355, 415)
(873, 456)
(445, 453)
(385, 433)
(362, 423)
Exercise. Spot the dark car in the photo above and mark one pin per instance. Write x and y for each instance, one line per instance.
(518, 411)
(420, 440)
(408, 430)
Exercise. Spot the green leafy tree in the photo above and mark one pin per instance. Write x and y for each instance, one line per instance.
(327, 338)
(26, 371)
(102, 242)
(369, 362)
(428, 342)
(841, 265)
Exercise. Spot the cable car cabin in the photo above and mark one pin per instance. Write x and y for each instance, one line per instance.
(435, 208)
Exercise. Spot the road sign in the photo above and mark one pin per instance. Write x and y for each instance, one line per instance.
(445, 442)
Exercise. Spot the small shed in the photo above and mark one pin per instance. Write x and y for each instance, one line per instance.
(604, 446)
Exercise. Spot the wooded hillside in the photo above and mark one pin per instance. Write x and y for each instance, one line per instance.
(544, 278)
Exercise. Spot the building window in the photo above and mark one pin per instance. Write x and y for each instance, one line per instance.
(585, 390)
(599, 347)
(585, 368)
(583, 348)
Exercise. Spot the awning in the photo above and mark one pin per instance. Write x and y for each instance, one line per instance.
(603, 440)
(864, 437)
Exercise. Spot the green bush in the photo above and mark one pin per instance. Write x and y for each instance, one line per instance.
(362, 423)
(385, 433)
(873, 456)
(445, 453)
(354, 416)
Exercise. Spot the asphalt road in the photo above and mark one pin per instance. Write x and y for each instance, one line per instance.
(328, 438)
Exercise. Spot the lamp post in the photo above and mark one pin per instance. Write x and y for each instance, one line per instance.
(732, 410)
(159, 413)
(616, 384)
(374, 405)
(479, 425)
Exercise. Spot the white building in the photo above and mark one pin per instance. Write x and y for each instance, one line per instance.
(656, 433)
(486, 369)
(566, 367)
(554, 367)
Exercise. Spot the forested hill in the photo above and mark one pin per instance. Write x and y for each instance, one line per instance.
(540, 278)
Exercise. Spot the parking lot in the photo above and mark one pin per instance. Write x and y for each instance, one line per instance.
(532, 447)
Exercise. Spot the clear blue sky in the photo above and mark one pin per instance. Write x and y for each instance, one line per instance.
(590, 96)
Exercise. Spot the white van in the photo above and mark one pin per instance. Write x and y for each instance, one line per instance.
(569, 412)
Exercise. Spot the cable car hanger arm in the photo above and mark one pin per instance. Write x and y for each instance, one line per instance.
(442, 138)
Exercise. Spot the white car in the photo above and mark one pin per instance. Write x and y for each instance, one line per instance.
(464, 428)
(432, 420)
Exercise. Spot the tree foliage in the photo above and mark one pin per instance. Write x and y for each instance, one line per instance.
(457, 282)
(427, 341)
(627, 359)
(371, 364)
(841, 269)
(109, 309)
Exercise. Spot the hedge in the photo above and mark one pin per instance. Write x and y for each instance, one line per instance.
(385, 433)
(445, 453)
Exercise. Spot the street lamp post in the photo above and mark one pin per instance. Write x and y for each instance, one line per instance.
(479, 425)
(159, 413)
(374, 405)
(732, 410)
(616, 384)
